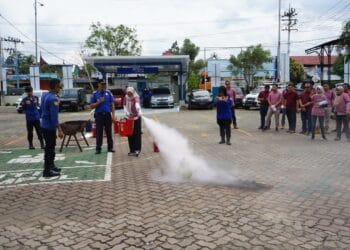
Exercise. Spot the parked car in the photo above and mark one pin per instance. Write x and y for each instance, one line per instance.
(162, 97)
(118, 95)
(15, 91)
(38, 93)
(72, 99)
(239, 97)
(251, 100)
(200, 99)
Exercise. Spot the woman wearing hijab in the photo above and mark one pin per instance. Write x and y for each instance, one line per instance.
(319, 102)
(132, 109)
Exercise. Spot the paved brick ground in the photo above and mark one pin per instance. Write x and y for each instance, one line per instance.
(293, 193)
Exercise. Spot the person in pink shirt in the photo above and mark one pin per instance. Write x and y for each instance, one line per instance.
(346, 89)
(275, 102)
(330, 97)
(318, 112)
(341, 106)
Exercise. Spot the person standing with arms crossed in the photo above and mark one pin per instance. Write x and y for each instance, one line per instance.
(103, 102)
(49, 126)
(30, 105)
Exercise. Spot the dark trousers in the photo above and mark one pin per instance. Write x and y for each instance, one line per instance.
(103, 120)
(342, 120)
(225, 128)
(135, 140)
(306, 121)
(50, 144)
(234, 120)
(321, 122)
(283, 120)
(34, 124)
(263, 113)
(292, 119)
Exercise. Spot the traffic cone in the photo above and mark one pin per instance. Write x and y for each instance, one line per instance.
(155, 148)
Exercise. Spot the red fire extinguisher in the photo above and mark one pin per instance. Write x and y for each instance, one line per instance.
(126, 127)
(94, 129)
(116, 127)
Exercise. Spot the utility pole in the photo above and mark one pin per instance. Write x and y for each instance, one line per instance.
(279, 43)
(36, 29)
(291, 22)
(14, 51)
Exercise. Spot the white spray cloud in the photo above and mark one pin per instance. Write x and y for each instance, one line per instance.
(182, 163)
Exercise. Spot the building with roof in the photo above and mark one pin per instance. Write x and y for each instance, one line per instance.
(312, 65)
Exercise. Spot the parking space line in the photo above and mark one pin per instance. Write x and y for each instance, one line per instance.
(16, 140)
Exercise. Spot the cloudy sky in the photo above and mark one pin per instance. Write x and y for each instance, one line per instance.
(63, 25)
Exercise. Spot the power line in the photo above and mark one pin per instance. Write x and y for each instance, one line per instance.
(26, 36)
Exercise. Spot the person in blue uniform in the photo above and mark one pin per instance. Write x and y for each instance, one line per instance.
(49, 127)
(30, 105)
(103, 103)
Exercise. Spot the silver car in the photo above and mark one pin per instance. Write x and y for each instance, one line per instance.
(162, 97)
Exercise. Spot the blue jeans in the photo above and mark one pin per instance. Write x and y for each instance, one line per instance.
(306, 121)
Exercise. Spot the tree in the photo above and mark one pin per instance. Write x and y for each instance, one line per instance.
(24, 63)
(174, 49)
(249, 61)
(113, 41)
(189, 48)
(338, 66)
(345, 39)
(297, 71)
(193, 80)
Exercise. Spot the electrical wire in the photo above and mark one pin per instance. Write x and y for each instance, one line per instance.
(26, 36)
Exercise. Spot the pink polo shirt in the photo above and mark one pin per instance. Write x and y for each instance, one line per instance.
(330, 97)
(340, 103)
(316, 109)
(275, 97)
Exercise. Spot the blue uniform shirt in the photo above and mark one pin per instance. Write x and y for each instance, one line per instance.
(104, 106)
(223, 109)
(31, 108)
(49, 111)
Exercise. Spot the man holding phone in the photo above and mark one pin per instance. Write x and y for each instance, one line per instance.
(103, 102)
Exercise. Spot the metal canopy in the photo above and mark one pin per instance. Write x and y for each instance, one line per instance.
(321, 49)
(111, 64)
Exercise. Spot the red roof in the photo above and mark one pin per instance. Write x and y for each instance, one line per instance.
(313, 60)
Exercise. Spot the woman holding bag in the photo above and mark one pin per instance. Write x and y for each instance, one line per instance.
(132, 109)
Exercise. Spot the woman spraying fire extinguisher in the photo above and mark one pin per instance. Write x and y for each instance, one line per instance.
(132, 109)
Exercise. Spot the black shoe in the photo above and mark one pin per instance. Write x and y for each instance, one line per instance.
(111, 150)
(51, 173)
(324, 138)
(137, 153)
(98, 152)
(228, 143)
(131, 154)
(31, 147)
(276, 129)
(222, 142)
(312, 137)
(56, 169)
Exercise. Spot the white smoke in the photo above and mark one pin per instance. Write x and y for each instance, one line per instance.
(181, 162)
